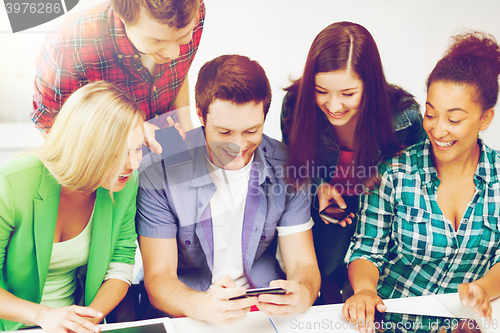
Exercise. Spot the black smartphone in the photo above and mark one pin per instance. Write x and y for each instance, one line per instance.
(335, 214)
(174, 149)
(258, 291)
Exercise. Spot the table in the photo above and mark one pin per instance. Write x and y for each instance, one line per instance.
(256, 322)
(259, 322)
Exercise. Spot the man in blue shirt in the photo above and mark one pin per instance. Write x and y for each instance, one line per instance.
(208, 229)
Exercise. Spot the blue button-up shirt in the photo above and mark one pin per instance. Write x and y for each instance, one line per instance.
(173, 202)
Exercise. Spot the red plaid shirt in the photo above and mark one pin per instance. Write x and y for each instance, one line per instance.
(92, 45)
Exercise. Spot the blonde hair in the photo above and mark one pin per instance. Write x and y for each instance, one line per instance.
(89, 139)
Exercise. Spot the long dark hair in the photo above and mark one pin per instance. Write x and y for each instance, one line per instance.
(374, 138)
(473, 59)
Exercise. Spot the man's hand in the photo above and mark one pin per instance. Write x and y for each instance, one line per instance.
(220, 309)
(327, 195)
(296, 300)
(69, 319)
(476, 297)
(360, 308)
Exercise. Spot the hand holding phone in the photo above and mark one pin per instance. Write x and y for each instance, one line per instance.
(258, 291)
(335, 214)
(174, 149)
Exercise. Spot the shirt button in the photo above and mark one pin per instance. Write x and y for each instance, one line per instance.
(188, 242)
(120, 56)
(466, 220)
(264, 149)
(136, 56)
(156, 116)
(154, 88)
(200, 204)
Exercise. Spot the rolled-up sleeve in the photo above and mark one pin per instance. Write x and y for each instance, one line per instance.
(297, 207)
(154, 217)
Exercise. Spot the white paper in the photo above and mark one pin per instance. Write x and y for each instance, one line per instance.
(452, 303)
(313, 322)
(422, 305)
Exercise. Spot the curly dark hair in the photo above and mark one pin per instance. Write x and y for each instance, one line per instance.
(472, 59)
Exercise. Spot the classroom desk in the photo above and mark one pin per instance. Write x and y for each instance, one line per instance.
(259, 322)
(256, 322)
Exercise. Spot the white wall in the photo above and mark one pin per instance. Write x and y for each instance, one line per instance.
(411, 34)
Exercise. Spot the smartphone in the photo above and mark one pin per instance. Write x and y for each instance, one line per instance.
(335, 214)
(258, 291)
(174, 149)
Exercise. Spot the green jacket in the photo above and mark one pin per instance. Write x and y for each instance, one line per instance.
(29, 201)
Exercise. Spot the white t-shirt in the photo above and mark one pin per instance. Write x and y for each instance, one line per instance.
(227, 208)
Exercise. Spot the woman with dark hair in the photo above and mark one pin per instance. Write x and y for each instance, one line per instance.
(433, 225)
(340, 120)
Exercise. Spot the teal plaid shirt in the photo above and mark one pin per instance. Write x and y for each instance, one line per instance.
(416, 249)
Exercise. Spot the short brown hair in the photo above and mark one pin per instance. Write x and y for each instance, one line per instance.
(174, 13)
(232, 78)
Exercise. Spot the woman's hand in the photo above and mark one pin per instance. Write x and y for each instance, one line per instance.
(71, 318)
(476, 297)
(360, 308)
(327, 195)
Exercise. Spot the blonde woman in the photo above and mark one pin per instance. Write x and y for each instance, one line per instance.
(68, 205)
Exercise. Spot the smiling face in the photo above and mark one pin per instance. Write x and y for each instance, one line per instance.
(233, 132)
(338, 95)
(453, 120)
(134, 156)
(157, 40)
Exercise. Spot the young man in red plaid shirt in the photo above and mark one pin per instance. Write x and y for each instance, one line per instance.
(144, 46)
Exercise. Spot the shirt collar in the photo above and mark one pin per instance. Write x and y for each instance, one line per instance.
(201, 176)
(126, 52)
(486, 171)
(261, 165)
(487, 168)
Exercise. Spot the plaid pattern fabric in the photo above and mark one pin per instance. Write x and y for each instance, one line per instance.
(92, 45)
(403, 232)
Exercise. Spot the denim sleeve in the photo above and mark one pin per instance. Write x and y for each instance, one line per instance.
(414, 131)
(297, 208)
(287, 107)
